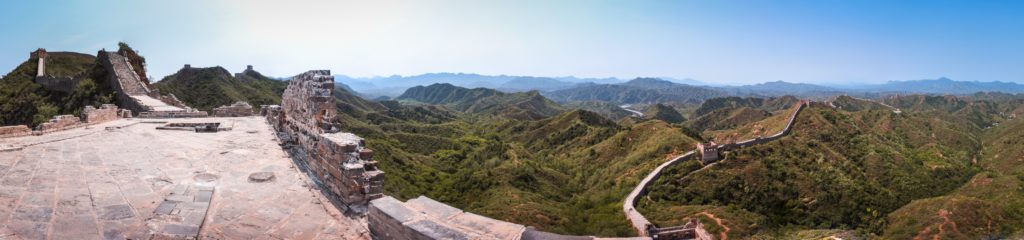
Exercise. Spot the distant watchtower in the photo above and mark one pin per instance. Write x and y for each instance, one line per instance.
(708, 152)
(41, 55)
(248, 68)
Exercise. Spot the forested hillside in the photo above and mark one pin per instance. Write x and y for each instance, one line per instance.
(567, 173)
(859, 170)
(207, 88)
(23, 101)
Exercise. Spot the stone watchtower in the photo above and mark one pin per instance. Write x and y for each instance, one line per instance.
(40, 55)
(708, 152)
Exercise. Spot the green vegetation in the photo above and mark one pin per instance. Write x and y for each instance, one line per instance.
(664, 113)
(482, 101)
(641, 90)
(22, 101)
(898, 176)
(567, 173)
(207, 88)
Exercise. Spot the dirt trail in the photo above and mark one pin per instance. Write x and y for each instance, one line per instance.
(941, 227)
(724, 234)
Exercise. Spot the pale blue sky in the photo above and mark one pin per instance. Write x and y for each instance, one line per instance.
(731, 42)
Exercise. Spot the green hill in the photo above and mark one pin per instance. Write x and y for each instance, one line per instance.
(664, 113)
(837, 170)
(207, 88)
(767, 104)
(23, 101)
(566, 173)
(523, 105)
(640, 90)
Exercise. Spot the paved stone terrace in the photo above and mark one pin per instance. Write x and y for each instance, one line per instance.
(94, 183)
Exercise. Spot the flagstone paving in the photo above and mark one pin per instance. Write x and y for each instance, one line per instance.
(137, 182)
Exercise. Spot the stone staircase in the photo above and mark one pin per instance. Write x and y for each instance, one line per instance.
(130, 82)
(135, 95)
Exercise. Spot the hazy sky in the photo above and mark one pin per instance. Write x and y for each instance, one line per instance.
(734, 42)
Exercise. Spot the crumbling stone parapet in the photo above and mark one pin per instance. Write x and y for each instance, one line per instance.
(306, 120)
(15, 131)
(238, 109)
(59, 122)
(106, 113)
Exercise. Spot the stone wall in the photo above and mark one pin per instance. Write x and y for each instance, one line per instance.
(337, 162)
(15, 131)
(238, 109)
(173, 114)
(59, 84)
(643, 226)
(59, 122)
(423, 218)
(106, 113)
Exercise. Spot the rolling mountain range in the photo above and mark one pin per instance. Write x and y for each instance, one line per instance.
(895, 166)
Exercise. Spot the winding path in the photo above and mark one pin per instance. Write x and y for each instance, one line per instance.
(639, 222)
(634, 112)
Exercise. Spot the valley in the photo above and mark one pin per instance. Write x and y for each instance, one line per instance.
(622, 161)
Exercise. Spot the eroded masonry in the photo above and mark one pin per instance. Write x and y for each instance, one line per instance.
(339, 162)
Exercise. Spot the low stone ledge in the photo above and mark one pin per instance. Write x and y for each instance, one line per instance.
(15, 131)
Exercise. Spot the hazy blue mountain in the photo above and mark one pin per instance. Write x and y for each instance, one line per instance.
(640, 90)
(779, 88)
(522, 84)
(943, 86)
(396, 85)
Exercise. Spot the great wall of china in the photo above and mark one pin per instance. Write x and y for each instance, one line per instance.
(342, 167)
(709, 154)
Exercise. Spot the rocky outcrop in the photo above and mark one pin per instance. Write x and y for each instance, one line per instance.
(338, 162)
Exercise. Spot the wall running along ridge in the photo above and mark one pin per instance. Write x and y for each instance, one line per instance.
(338, 162)
(643, 226)
(133, 93)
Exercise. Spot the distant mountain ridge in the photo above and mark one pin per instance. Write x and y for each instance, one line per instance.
(396, 85)
(523, 105)
(640, 90)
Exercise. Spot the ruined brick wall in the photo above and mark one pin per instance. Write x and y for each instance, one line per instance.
(308, 102)
(59, 84)
(15, 131)
(106, 113)
(238, 109)
(60, 122)
(338, 162)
